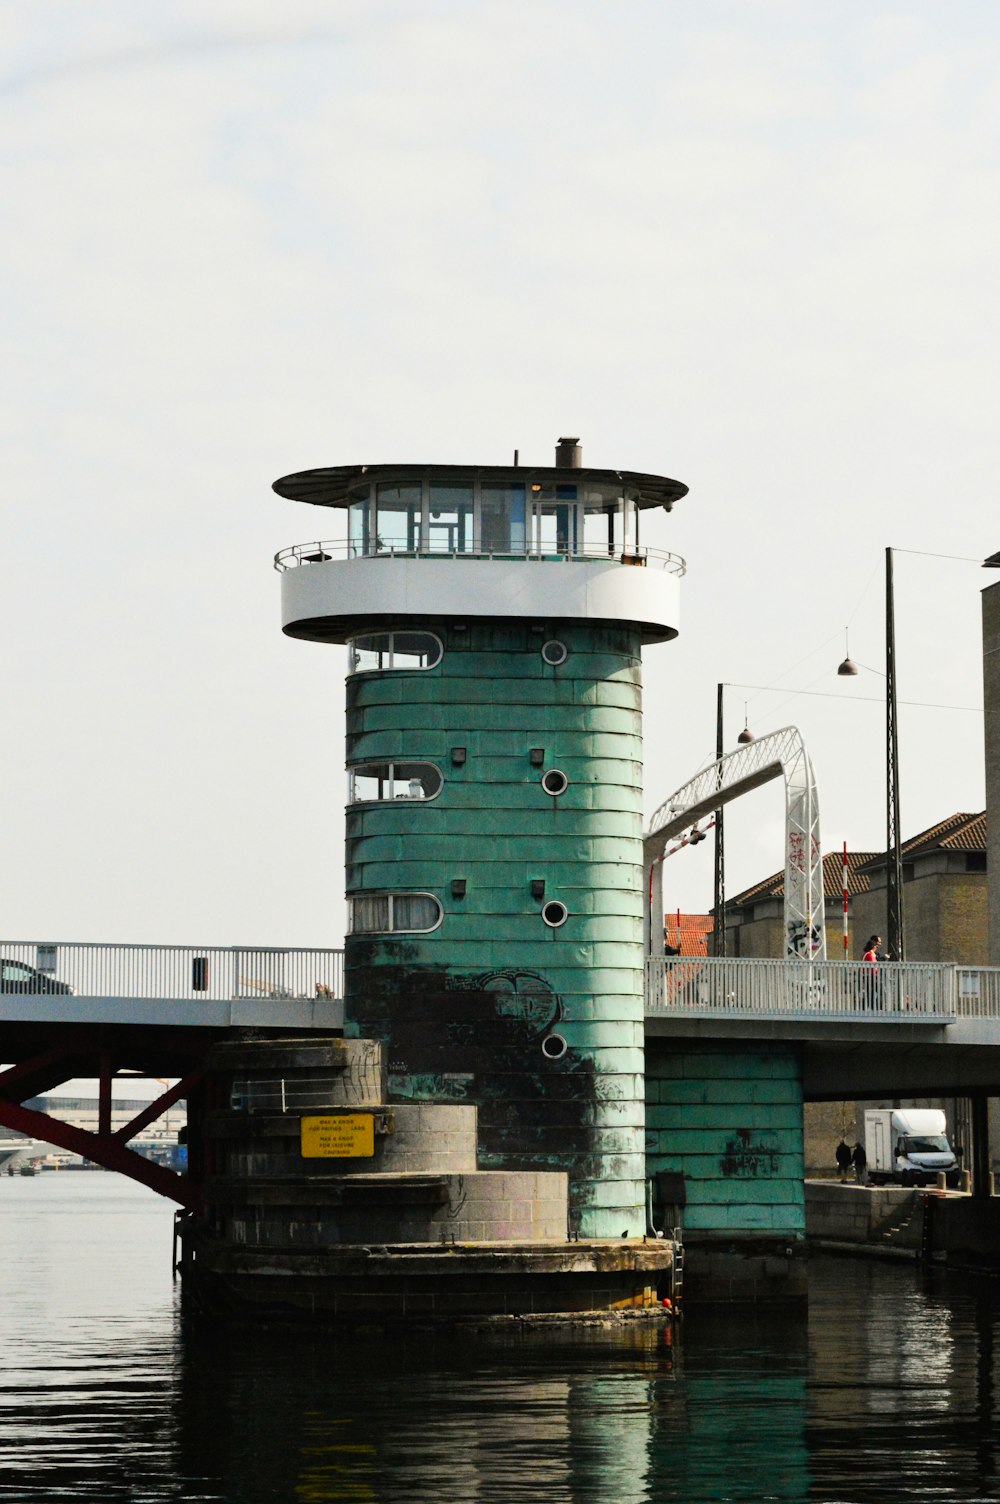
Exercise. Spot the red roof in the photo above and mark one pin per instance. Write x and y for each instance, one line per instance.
(833, 879)
(691, 935)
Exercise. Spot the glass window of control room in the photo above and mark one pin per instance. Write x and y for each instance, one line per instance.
(397, 518)
(556, 521)
(450, 519)
(502, 521)
(375, 781)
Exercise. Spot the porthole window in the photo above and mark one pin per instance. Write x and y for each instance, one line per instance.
(393, 913)
(382, 650)
(555, 782)
(555, 651)
(555, 913)
(374, 781)
(554, 1046)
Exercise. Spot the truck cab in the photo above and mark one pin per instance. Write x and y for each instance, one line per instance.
(909, 1146)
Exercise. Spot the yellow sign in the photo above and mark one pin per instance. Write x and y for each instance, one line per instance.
(350, 1135)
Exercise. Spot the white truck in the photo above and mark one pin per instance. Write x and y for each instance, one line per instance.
(908, 1144)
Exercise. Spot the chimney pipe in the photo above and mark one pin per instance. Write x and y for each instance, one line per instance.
(569, 455)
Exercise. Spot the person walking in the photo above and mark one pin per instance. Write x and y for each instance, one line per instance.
(859, 1159)
(843, 1155)
(870, 962)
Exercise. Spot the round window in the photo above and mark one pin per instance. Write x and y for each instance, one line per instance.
(554, 1047)
(555, 914)
(555, 781)
(555, 651)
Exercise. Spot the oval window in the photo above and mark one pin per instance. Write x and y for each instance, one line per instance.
(554, 1046)
(383, 650)
(555, 913)
(555, 651)
(393, 913)
(555, 782)
(371, 782)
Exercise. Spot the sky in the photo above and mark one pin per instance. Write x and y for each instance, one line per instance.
(750, 246)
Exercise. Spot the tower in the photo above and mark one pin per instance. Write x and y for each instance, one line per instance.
(494, 618)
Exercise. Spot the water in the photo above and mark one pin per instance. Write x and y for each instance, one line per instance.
(886, 1393)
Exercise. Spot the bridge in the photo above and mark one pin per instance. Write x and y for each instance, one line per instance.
(130, 1012)
(133, 1011)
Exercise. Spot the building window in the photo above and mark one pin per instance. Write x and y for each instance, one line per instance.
(382, 650)
(393, 913)
(554, 651)
(374, 781)
(502, 521)
(397, 518)
(555, 913)
(450, 519)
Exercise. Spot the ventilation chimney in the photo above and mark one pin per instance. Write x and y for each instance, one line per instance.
(569, 455)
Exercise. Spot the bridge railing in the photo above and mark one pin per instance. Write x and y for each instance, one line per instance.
(184, 972)
(977, 991)
(730, 987)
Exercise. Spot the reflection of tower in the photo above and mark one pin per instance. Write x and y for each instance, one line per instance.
(494, 617)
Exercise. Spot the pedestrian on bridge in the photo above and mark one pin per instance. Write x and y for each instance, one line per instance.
(843, 1154)
(870, 961)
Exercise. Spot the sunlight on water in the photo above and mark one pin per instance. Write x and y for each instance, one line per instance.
(885, 1393)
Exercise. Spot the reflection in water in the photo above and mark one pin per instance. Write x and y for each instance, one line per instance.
(109, 1393)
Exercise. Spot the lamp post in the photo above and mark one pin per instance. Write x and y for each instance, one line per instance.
(895, 926)
(719, 898)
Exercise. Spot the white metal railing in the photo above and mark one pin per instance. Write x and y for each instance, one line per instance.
(977, 991)
(321, 552)
(184, 972)
(730, 987)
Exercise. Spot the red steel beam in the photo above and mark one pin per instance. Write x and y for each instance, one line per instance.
(182, 1088)
(101, 1150)
(50, 1068)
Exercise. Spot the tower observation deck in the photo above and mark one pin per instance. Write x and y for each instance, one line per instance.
(494, 618)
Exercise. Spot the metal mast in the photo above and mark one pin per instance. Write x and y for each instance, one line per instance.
(895, 936)
(719, 905)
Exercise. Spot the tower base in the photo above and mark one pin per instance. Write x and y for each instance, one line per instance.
(354, 1285)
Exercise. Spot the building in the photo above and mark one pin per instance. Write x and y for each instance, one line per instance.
(494, 619)
(944, 893)
(687, 934)
(755, 919)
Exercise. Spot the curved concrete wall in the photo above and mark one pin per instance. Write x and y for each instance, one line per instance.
(325, 600)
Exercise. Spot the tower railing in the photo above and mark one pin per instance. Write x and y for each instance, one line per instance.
(324, 550)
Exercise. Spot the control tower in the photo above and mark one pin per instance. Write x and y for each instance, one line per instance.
(494, 618)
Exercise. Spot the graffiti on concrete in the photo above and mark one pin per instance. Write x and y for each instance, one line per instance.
(745, 1160)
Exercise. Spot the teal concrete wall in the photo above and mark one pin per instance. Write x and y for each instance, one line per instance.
(729, 1119)
(465, 1008)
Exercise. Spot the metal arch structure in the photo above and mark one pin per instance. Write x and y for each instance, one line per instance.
(780, 754)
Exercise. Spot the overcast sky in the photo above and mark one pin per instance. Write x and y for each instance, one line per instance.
(753, 246)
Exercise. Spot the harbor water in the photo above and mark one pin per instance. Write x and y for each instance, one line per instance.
(886, 1391)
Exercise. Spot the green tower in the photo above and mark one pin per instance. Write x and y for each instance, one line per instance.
(494, 618)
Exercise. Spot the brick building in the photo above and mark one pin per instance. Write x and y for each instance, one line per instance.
(944, 893)
(755, 918)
